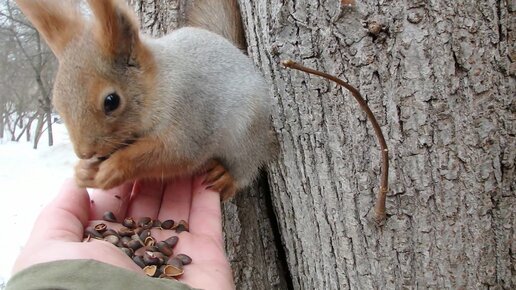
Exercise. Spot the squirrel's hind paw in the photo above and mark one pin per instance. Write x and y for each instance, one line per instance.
(219, 179)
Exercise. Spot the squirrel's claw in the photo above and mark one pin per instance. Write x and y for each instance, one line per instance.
(218, 179)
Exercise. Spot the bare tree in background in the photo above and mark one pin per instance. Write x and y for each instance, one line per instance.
(28, 68)
(18, 103)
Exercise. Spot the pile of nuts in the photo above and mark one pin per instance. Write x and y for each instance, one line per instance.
(135, 240)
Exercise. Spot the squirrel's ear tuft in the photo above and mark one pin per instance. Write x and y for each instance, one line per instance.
(116, 28)
(57, 21)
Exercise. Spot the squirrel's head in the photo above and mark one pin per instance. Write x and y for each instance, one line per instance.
(104, 83)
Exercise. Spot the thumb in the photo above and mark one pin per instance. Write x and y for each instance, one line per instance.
(65, 217)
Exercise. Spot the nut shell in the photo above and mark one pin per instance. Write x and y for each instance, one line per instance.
(172, 241)
(112, 239)
(134, 244)
(92, 232)
(125, 232)
(151, 270)
(129, 223)
(145, 234)
(149, 241)
(164, 248)
(182, 226)
(110, 232)
(145, 222)
(176, 263)
(185, 259)
(127, 251)
(156, 223)
(138, 259)
(109, 217)
(167, 225)
(150, 258)
(171, 271)
(101, 228)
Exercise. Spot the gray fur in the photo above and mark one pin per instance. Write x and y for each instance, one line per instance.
(185, 98)
(216, 97)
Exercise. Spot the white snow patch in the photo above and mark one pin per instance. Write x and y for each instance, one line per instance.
(29, 179)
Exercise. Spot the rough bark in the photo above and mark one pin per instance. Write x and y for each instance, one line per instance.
(439, 76)
(249, 225)
(157, 17)
(248, 220)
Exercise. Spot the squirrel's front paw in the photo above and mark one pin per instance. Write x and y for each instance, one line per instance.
(85, 172)
(104, 174)
(218, 179)
(111, 173)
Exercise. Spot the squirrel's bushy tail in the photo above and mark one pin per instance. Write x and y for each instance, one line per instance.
(219, 16)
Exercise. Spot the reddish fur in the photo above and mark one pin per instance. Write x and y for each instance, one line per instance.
(108, 28)
(126, 164)
(108, 33)
(220, 180)
(116, 31)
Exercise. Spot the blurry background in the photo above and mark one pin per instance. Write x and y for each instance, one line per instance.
(27, 71)
(28, 178)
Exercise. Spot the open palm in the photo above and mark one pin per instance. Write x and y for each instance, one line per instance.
(60, 227)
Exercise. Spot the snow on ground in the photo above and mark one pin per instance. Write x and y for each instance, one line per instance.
(29, 179)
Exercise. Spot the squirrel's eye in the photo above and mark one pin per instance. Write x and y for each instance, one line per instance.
(111, 103)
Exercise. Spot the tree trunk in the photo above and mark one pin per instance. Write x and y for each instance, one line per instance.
(2, 126)
(157, 17)
(252, 241)
(15, 125)
(439, 75)
(29, 126)
(26, 129)
(49, 126)
(39, 129)
(249, 225)
(3, 116)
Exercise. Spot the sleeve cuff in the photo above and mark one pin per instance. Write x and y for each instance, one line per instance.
(86, 274)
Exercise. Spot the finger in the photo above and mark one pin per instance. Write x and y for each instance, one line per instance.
(177, 199)
(65, 217)
(205, 212)
(115, 200)
(145, 199)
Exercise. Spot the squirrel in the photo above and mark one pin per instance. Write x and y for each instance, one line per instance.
(138, 107)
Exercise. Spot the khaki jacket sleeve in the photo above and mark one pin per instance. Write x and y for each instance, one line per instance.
(86, 274)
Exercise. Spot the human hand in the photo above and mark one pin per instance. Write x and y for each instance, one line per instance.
(58, 231)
